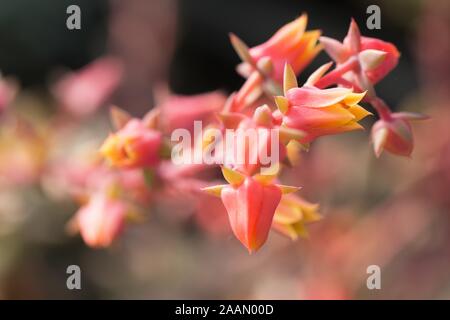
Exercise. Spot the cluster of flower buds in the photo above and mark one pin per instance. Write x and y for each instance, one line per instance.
(361, 62)
(286, 119)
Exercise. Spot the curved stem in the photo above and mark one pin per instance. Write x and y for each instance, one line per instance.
(381, 107)
(334, 76)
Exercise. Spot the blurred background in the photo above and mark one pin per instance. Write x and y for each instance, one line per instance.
(391, 212)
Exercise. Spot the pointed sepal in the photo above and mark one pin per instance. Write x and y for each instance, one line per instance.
(266, 179)
(335, 49)
(412, 116)
(287, 134)
(371, 58)
(287, 189)
(354, 37)
(214, 190)
(241, 48)
(282, 104)
(379, 139)
(233, 177)
(119, 117)
(316, 75)
(263, 115)
(151, 118)
(290, 79)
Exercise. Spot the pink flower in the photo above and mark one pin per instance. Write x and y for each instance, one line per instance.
(319, 112)
(251, 203)
(84, 91)
(250, 208)
(182, 111)
(290, 44)
(134, 146)
(101, 220)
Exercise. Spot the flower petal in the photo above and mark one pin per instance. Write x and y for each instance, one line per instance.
(316, 98)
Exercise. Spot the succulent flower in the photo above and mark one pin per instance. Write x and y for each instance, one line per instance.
(101, 220)
(319, 112)
(291, 44)
(376, 58)
(251, 203)
(133, 146)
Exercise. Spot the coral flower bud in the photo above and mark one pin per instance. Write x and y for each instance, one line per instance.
(376, 57)
(101, 220)
(250, 208)
(250, 203)
(394, 134)
(133, 146)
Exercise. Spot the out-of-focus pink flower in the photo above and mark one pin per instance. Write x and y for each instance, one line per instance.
(393, 133)
(250, 203)
(375, 57)
(319, 112)
(8, 90)
(76, 178)
(133, 184)
(84, 91)
(134, 146)
(290, 44)
(181, 111)
(101, 220)
(79, 175)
